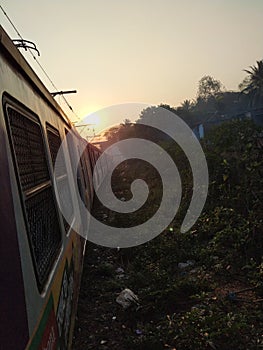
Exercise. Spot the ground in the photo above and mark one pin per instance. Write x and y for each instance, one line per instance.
(180, 308)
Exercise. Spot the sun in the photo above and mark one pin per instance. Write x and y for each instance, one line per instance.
(89, 124)
(92, 119)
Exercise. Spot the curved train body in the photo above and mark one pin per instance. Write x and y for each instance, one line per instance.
(41, 254)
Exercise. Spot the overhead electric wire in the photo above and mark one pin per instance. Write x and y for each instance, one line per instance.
(38, 63)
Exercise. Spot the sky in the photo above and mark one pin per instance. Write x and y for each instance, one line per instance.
(141, 51)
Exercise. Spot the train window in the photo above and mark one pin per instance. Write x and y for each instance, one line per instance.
(73, 154)
(54, 142)
(38, 202)
(84, 174)
(82, 167)
(88, 171)
(70, 144)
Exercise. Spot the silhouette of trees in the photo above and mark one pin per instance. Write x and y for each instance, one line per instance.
(252, 85)
(212, 101)
(208, 87)
(187, 105)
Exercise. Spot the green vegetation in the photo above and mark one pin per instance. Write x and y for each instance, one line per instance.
(226, 244)
(214, 302)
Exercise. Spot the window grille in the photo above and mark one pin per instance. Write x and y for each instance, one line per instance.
(55, 142)
(37, 194)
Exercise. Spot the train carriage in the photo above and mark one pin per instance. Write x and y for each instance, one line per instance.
(41, 254)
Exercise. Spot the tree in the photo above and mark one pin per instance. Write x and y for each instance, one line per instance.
(208, 87)
(244, 83)
(187, 105)
(126, 121)
(209, 100)
(155, 112)
(252, 85)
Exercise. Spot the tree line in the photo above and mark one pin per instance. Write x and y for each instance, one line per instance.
(213, 100)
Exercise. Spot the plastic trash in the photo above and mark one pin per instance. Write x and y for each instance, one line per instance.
(126, 298)
(184, 265)
(119, 270)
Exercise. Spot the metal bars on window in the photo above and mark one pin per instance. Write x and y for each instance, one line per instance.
(37, 195)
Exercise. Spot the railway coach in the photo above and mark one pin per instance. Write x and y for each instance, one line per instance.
(41, 253)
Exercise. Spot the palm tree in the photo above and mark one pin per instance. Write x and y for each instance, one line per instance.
(253, 83)
(187, 105)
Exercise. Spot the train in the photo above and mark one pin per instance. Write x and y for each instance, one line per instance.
(41, 252)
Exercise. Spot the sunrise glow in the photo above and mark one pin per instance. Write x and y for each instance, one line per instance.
(92, 119)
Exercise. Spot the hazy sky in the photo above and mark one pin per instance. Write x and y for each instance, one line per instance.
(152, 51)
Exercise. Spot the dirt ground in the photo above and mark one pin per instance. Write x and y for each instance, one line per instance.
(102, 323)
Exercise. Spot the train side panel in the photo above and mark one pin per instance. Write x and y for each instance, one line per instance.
(39, 296)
